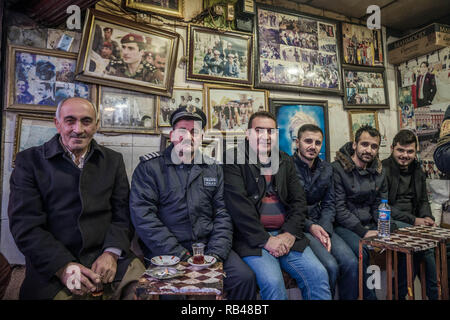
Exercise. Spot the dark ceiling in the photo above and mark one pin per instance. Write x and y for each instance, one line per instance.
(399, 16)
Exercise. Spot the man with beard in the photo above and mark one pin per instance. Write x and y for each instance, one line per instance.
(177, 199)
(409, 204)
(359, 182)
(316, 177)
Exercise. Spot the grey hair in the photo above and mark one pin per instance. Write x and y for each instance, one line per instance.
(61, 103)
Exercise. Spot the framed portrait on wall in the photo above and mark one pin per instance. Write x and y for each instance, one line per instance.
(37, 79)
(359, 118)
(362, 46)
(123, 111)
(230, 108)
(296, 52)
(171, 8)
(219, 56)
(180, 97)
(32, 130)
(365, 87)
(292, 114)
(119, 53)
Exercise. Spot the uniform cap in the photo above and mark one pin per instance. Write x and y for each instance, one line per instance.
(188, 113)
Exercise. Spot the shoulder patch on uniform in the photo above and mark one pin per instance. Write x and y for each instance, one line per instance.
(149, 156)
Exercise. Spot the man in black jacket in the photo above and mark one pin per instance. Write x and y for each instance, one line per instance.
(68, 212)
(177, 199)
(409, 204)
(357, 181)
(268, 207)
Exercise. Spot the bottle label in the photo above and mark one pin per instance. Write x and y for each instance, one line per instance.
(384, 214)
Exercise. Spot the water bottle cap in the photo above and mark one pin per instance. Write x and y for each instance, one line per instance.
(384, 201)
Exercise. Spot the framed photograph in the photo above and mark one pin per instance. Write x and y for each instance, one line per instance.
(362, 46)
(180, 97)
(119, 53)
(297, 52)
(230, 108)
(171, 8)
(32, 130)
(365, 88)
(292, 114)
(37, 79)
(123, 111)
(358, 118)
(219, 56)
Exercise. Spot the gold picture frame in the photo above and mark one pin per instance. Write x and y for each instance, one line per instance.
(171, 8)
(37, 79)
(358, 118)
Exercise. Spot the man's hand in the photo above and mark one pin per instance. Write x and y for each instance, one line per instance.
(276, 247)
(320, 234)
(420, 222)
(429, 222)
(88, 278)
(371, 233)
(106, 266)
(288, 240)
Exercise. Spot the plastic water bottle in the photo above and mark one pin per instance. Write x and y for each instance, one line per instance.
(384, 219)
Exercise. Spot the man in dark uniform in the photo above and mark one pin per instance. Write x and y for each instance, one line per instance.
(131, 65)
(176, 200)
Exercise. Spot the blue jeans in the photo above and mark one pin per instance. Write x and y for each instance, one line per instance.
(430, 269)
(341, 264)
(352, 240)
(304, 267)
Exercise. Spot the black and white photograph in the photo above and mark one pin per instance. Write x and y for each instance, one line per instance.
(181, 97)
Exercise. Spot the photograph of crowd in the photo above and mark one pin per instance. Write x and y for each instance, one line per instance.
(364, 88)
(180, 98)
(230, 109)
(126, 111)
(361, 45)
(297, 51)
(45, 80)
(218, 56)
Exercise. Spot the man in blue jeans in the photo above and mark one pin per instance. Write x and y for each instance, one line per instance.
(409, 204)
(316, 177)
(268, 207)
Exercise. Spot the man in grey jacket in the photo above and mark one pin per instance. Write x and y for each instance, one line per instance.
(177, 199)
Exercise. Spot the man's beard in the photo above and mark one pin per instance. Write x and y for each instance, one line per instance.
(361, 157)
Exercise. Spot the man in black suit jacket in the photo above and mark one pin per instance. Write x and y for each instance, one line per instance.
(425, 86)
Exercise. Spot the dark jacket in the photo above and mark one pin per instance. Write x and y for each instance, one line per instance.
(156, 192)
(59, 213)
(244, 189)
(429, 89)
(421, 205)
(319, 190)
(357, 192)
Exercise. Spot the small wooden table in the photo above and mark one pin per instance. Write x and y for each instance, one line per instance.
(443, 236)
(204, 282)
(397, 243)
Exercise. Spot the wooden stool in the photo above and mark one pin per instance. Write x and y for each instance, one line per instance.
(443, 236)
(397, 243)
(204, 282)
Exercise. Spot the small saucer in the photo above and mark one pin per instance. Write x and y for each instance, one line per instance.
(209, 261)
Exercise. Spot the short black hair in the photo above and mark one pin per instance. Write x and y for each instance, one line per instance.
(308, 127)
(369, 129)
(404, 137)
(261, 114)
(426, 63)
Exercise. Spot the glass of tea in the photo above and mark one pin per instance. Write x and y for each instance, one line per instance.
(198, 251)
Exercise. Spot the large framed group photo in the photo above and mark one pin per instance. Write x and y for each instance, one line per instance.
(292, 114)
(219, 56)
(119, 53)
(296, 52)
(37, 79)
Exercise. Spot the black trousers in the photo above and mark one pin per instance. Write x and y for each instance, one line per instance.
(240, 282)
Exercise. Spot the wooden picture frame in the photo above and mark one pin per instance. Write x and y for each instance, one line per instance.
(170, 8)
(365, 88)
(37, 79)
(180, 97)
(32, 130)
(124, 111)
(147, 59)
(230, 108)
(297, 52)
(291, 114)
(220, 56)
(358, 118)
